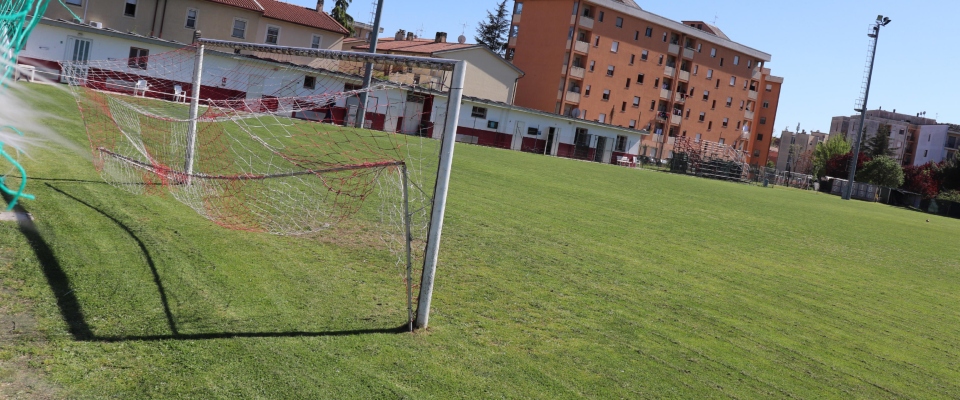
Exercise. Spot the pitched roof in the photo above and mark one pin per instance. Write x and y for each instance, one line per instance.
(251, 5)
(418, 46)
(299, 15)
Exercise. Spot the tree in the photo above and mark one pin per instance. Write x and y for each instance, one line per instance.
(493, 32)
(879, 145)
(882, 171)
(921, 179)
(837, 145)
(839, 166)
(339, 13)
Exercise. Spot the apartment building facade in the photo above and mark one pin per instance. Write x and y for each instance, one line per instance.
(795, 153)
(255, 21)
(611, 61)
(910, 135)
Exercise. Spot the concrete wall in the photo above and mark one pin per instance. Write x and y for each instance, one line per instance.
(930, 144)
(488, 76)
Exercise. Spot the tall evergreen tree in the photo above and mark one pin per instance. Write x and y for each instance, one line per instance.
(339, 13)
(493, 32)
(879, 145)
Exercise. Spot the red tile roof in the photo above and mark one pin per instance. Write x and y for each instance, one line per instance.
(299, 15)
(418, 46)
(244, 4)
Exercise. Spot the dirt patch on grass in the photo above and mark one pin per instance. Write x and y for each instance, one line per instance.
(20, 376)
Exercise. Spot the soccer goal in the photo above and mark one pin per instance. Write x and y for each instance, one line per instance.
(284, 140)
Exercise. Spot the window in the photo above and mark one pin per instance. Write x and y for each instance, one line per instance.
(600, 17)
(729, 101)
(713, 52)
(733, 80)
(769, 87)
(736, 60)
(636, 35)
(698, 138)
(648, 32)
(738, 124)
(619, 22)
(709, 74)
(718, 84)
(586, 92)
(623, 107)
(721, 61)
(310, 82)
(609, 70)
(924, 153)
(759, 137)
(660, 61)
(615, 46)
(688, 114)
(602, 117)
(766, 104)
(664, 37)
(596, 41)
(644, 54)
(628, 83)
(130, 8)
(636, 101)
(593, 65)
(316, 42)
(273, 34)
(653, 105)
(639, 79)
(741, 105)
(695, 69)
(633, 124)
(749, 63)
(514, 31)
(633, 57)
(763, 121)
(706, 95)
(191, 18)
(703, 116)
(138, 58)
(621, 143)
(709, 125)
(699, 47)
(606, 95)
(517, 8)
(722, 140)
(239, 28)
(726, 121)
(533, 132)
(479, 112)
(74, 2)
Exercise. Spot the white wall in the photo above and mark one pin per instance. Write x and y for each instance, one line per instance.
(930, 144)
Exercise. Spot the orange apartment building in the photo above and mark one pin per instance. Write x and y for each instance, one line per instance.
(611, 61)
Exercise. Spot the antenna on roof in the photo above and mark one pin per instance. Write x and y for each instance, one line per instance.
(420, 31)
(715, 18)
(464, 31)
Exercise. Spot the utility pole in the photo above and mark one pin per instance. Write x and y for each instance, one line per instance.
(874, 37)
(368, 73)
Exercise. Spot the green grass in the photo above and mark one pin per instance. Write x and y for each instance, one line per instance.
(557, 279)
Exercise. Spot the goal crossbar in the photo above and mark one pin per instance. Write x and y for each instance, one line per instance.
(385, 59)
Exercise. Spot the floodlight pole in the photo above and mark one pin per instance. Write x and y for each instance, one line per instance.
(368, 73)
(440, 194)
(194, 106)
(855, 156)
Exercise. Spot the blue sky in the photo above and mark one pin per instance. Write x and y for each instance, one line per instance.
(818, 46)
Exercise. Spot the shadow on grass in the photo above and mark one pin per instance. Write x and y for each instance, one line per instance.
(72, 312)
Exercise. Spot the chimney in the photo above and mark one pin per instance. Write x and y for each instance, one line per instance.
(400, 34)
(319, 5)
(441, 37)
(409, 35)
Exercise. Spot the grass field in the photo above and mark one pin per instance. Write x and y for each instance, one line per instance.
(557, 279)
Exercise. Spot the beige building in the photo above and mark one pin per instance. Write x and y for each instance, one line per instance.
(490, 77)
(255, 21)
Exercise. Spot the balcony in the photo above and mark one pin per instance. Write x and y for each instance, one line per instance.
(756, 74)
(581, 47)
(573, 97)
(559, 95)
(752, 95)
(674, 49)
(586, 22)
(668, 71)
(688, 53)
(577, 72)
(512, 42)
(684, 75)
(516, 19)
(748, 115)
(664, 94)
(679, 97)
(676, 119)
(661, 116)
(564, 70)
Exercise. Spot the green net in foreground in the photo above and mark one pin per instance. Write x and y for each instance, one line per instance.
(17, 19)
